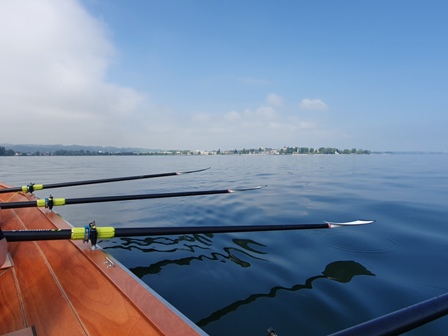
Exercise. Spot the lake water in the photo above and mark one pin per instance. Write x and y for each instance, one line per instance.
(305, 282)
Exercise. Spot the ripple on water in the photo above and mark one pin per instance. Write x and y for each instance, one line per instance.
(360, 242)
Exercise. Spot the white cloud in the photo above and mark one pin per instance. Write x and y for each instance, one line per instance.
(266, 112)
(274, 99)
(261, 126)
(313, 104)
(232, 116)
(53, 61)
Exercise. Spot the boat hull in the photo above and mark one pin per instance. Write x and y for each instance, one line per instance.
(65, 288)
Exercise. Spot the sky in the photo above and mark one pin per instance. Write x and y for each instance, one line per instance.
(204, 74)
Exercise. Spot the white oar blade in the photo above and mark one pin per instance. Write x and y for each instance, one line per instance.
(353, 223)
(246, 189)
(191, 171)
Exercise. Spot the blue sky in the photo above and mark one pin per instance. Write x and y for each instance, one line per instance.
(203, 74)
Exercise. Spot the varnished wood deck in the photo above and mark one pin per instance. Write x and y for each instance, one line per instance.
(65, 288)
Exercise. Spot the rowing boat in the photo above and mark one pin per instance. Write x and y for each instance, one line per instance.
(63, 287)
(52, 283)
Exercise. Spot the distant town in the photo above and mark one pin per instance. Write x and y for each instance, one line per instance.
(53, 150)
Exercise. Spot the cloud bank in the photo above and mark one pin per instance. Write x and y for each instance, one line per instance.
(53, 60)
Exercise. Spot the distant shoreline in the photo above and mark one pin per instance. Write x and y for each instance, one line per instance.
(60, 150)
(213, 154)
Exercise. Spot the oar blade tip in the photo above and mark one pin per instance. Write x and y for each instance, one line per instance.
(352, 223)
(191, 171)
(246, 189)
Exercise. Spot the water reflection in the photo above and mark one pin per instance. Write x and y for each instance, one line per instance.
(340, 271)
(200, 245)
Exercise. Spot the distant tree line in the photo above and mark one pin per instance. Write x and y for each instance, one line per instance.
(282, 151)
(82, 152)
(321, 150)
(301, 150)
(63, 152)
(6, 152)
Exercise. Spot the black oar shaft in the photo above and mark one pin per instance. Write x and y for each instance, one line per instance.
(50, 202)
(111, 232)
(166, 231)
(85, 200)
(96, 181)
(107, 180)
(13, 189)
(119, 179)
(16, 205)
(33, 235)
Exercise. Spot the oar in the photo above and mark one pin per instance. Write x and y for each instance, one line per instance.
(111, 232)
(403, 320)
(50, 201)
(32, 186)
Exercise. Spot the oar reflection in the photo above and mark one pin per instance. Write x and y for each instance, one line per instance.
(200, 245)
(340, 271)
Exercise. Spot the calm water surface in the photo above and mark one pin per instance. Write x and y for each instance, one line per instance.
(308, 282)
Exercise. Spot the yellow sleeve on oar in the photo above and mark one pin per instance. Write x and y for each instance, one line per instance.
(106, 232)
(56, 201)
(34, 186)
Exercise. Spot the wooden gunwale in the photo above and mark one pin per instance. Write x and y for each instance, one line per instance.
(65, 288)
